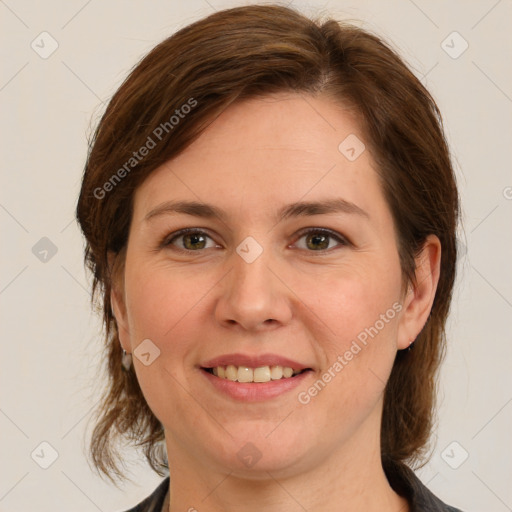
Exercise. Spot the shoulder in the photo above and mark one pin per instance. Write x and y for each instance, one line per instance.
(155, 501)
(405, 482)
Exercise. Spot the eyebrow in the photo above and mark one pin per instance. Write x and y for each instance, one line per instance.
(298, 209)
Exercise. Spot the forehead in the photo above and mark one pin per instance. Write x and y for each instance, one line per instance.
(262, 153)
(308, 127)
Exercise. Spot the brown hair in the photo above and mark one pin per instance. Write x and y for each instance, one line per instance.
(243, 53)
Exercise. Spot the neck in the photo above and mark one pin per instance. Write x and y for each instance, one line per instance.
(350, 478)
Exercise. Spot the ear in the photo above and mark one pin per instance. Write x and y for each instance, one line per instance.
(118, 304)
(420, 297)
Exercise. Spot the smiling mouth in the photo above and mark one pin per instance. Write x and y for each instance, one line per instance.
(246, 374)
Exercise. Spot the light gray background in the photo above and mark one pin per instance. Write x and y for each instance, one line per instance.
(49, 338)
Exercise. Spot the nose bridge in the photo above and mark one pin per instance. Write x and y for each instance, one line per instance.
(252, 295)
(251, 270)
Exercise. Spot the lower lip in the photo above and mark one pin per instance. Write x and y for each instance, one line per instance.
(255, 391)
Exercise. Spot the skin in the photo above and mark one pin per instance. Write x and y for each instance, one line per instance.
(297, 299)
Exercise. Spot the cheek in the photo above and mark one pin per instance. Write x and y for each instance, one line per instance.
(157, 301)
(162, 305)
(357, 331)
(352, 300)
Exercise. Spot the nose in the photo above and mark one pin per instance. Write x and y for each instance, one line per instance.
(253, 296)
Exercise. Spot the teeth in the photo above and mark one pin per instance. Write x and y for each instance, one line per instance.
(276, 372)
(231, 373)
(287, 372)
(245, 374)
(261, 374)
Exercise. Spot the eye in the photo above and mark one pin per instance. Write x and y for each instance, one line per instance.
(190, 239)
(318, 239)
(194, 240)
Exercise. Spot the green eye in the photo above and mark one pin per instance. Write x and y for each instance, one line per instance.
(192, 240)
(195, 240)
(318, 239)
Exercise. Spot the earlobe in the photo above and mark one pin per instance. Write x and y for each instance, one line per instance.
(420, 295)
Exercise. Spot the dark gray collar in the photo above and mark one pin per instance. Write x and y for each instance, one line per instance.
(405, 483)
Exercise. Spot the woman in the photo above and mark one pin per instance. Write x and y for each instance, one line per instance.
(270, 214)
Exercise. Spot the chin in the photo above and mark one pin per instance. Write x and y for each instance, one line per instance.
(255, 455)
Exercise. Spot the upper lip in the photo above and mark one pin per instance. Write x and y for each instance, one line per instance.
(254, 361)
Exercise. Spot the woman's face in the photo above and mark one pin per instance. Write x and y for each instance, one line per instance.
(271, 282)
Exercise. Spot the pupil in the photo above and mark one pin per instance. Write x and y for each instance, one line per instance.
(318, 239)
(193, 239)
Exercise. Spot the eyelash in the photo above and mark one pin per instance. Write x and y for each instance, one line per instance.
(168, 240)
